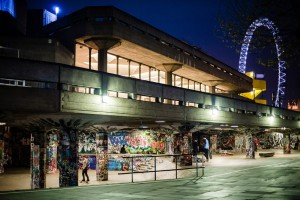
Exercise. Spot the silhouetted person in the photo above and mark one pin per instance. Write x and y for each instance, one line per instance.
(123, 150)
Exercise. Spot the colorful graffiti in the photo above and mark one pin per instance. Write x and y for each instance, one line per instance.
(51, 155)
(226, 141)
(270, 140)
(67, 152)
(2, 161)
(91, 161)
(239, 142)
(87, 142)
(35, 167)
(140, 142)
(102, 157)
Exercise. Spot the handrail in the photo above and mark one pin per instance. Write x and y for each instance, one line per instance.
(163, 170)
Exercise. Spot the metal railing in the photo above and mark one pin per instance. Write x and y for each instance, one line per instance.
(177, 157)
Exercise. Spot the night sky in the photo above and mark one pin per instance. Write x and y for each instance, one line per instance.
(192, 21)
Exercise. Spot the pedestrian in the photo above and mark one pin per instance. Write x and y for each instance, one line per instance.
(206, 148)
(195, 147)
(123, 150)
(85, 167)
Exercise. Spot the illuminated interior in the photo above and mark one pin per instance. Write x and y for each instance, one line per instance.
(87, 58)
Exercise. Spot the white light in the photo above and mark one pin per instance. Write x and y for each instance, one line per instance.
(214, 112)
(104, 99)
(2, 123)
(160, 121)
(234, 126)
(56, 9)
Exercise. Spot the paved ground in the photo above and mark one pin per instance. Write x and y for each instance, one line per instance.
(225, 178)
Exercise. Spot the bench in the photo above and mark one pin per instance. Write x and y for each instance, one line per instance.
(266, 154)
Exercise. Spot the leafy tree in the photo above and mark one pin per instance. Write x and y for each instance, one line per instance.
(238, 15)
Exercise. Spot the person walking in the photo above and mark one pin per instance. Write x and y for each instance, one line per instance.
(85, 167)
(195, 149)
(206, 148)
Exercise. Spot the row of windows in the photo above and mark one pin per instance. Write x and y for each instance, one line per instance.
(96, 91)
(88, 58)
(171, 101)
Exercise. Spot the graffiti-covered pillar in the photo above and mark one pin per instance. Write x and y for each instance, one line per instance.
(1, 149)
(286, 143)
(213, 145)
(38, 167)
(68, 157)
(250, 152)
(102, 156)
(186, 144)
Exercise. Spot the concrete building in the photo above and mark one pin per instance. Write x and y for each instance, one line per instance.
(99, 74)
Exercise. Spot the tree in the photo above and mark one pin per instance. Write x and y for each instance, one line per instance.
(238, 15)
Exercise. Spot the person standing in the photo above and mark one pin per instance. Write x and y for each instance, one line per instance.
(123, 150)
(85, 167)
(206, 148)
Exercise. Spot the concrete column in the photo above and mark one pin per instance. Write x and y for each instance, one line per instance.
(169, 78)
(169, 68)
(286, 143)
(212, 89)
(102, 60)
(102, 45)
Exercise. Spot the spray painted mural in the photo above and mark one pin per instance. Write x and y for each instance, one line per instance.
(67, 156)
(1, 150)
(239, 142)
(87, 142)
(35, 167)
(102, 157)
(226, 141)
(92, 145)
(269, 140)
(137, 142)
(51, 155)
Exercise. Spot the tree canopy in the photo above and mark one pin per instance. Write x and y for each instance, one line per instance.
(238, 15)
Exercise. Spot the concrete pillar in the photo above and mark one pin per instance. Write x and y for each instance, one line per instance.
(102, 45)
(102, 60)
(286, 143)
(169, 68)
(212, 89)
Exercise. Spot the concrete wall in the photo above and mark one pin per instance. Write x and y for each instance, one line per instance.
(47, 99)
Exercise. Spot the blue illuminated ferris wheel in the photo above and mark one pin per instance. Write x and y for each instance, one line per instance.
(265, 22)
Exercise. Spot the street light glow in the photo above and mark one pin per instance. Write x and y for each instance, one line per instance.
(56, 9)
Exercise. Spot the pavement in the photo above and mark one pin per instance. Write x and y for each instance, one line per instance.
(225, 177)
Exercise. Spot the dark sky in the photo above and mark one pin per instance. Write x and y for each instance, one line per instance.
(193, 21)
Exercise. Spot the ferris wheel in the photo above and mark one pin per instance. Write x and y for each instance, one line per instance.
(265, 22)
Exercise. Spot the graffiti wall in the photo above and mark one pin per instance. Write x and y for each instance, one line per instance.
(269, 140)
(295, 142)
(226, 141)
(138, 142)
(87, 142)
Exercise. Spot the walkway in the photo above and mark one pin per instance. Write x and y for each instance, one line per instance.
(225, 178)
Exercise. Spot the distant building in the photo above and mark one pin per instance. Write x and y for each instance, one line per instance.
(294, 105)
